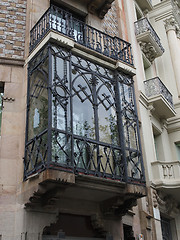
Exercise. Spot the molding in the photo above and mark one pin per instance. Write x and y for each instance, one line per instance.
(51, 35)
(97, 6)
(125, 68)
(12, 61)
(143, 100)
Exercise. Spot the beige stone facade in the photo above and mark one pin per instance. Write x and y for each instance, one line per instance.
(40, 198)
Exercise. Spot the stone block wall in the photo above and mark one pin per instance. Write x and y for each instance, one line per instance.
(12, 28)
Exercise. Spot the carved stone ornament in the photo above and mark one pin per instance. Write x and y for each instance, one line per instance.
(148, 50)
(171, 24)
(96, 6)
(170, 204)
(98, 224)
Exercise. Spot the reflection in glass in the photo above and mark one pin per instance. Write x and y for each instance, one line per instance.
(38, 111)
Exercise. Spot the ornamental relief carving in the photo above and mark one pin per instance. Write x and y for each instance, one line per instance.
(96, 6)
(172, 24)
(170, 204)
(148, 50)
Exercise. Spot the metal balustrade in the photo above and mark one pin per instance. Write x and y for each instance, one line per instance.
(63, 22)
(155, 86)
(142, 26)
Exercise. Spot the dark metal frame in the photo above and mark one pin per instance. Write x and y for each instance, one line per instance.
(127, 163)
(63, 22)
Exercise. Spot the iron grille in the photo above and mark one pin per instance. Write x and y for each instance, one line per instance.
(155, 86)
(63, 22)
(81, 117)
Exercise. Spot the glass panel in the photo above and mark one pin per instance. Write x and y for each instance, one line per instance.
(108, 131)
(83, 114)
(61, 148)
(38, 108)
(60, 96)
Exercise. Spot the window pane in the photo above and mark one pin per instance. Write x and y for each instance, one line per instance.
(83, 114)
(38, 111)
(107, 119)
(61, 95)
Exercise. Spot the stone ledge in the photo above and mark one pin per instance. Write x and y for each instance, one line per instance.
(12, 61)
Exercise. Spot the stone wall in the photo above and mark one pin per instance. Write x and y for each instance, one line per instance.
(12, 28)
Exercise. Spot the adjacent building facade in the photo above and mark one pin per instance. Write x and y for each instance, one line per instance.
(90, 119)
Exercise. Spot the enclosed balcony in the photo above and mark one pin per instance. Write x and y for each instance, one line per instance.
(81, 119)
(59, 21)
(166, 176)
(149, 41)
(160, 97)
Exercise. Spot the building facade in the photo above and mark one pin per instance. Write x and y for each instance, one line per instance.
(89, 107)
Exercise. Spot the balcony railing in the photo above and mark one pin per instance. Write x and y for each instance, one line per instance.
(155, 86)
(166, 173)
(142, 26)
(63, 22)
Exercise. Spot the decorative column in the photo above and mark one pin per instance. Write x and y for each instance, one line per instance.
(172, 29)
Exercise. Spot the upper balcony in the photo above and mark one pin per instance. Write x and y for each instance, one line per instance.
(145, 4)
(160, 97)
(149, 41)
(166, 176)
(62, 22)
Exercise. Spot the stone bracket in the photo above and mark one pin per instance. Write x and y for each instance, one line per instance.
(97, 6)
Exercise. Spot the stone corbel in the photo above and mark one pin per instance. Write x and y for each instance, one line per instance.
(117, 207)
(98, 224)
(171, 205)
(164, 124)
(151, 109)
(96, 6)
(148, 50)
(105, 8)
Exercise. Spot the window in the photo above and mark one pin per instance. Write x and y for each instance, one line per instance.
(81, 118)
(64, 22)
(178, 150)
(166, 228)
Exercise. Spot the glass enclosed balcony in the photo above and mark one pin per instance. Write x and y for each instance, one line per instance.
(81, 118)
(62, 22)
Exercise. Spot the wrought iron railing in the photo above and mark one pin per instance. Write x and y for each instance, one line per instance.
(155, 86)
(63, 22)
(142, 26)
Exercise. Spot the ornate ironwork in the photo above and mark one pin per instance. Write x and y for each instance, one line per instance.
(142, 26)
(81, 119)
(155, 86)
(63, 22)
